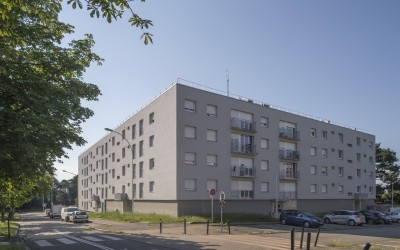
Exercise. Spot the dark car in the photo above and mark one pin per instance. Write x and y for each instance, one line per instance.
(300, 218)
(371, 217)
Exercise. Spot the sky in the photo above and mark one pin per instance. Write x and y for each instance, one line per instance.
(336, 60)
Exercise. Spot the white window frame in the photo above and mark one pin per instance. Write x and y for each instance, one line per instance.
(264, 122)
(190, 105)
(212, 135)
(190, 184)
(190, 158)
(212, 160)
(190, 132)
(211, 110)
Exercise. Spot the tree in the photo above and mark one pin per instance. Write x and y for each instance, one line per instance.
(387, 171)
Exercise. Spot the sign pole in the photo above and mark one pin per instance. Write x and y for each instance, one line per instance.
(212, 209)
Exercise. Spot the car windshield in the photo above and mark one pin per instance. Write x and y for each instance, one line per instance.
(308, 214)
(80, 213)
(72, 209)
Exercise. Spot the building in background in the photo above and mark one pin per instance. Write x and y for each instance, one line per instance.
(189, 140)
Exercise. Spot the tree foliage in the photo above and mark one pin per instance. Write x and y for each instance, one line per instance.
(42, 86)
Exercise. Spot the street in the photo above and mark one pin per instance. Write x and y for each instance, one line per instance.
(40, 232)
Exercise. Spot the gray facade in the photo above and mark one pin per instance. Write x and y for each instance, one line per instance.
(189, 140)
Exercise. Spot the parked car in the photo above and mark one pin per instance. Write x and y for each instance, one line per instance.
(395, 216)
(349, 217)
(79, 216)
(300, 218)
(55, 211)
(67, 213)
(386, 219)
(371, 217)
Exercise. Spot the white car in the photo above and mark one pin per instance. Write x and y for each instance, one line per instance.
(79, 216)
(394, 215)
(67, 213)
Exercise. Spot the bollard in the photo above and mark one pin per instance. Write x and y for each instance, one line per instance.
(302, 237)
(308, 241)
(292, 239)
(367, 246)
(316, 239)
(208, 225)
(160, 226)
(184, 226)
(229, 227)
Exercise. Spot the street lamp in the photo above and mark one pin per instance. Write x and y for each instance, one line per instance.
(68, 172)
(129, 146)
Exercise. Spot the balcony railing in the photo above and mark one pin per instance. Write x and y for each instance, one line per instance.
(243, 124)
(287, 195)
(363, 196)
(243, 171)
(243, 148)
(289, 133)
(289, 174)
(289, 154)
(242, 194)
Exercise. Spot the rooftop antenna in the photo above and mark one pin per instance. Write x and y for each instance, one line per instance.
(227, 81)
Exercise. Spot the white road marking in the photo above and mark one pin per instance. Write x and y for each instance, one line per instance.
(85, 241)
(110, 237)
(44, 243)
(66, 241)
(91, 238)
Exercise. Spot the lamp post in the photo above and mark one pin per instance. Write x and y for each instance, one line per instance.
(130, 146)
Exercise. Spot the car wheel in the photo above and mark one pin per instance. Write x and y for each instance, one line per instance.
(67, 219)
(283, 221)
(327, 220)
(306, 224)
(352, 222)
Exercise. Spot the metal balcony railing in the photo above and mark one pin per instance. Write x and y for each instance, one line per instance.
(289, 174)
(242, 194)
(243, 124)
(289, 154)
(243, 148)
(243, 171)
(289, 133)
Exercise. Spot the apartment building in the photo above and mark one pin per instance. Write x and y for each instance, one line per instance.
(167, 156)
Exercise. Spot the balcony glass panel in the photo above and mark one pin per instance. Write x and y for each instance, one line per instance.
(243, 124)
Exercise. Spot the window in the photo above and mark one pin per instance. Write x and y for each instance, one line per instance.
(141, 148)
(123, 152)
(123, 170)
(141, 186)
(358, 173)
(123, 134)
(211, 183)
(340, 154)
(134, 171)
(151, 118)
(313, 151)
(313, 132)
(190, 158)
(358, 157)
(133, 131)
(340, 188)
(324, 170)
(141, 127)
(190, 184)
(211, 135)
(358, 189)
(190, 106)
(341, 171)
(340, 137)
(313, 188)
(151, 141)
(264, 187)
(265, 165)
(133, 151)
(211, 160)
(113, 157)
(324, 134)
(105, 147)
(264, 143)
(370, 144)
(313, 170)
(264, 122)
(151, 163)
(134, 191)
(151, 186)
(112, 174)
(190, 132)
(123, 189)
(242, 189)
(141, 169)
(211, 110)
(113, 141)
(106, 178)
(324, 152)
(371, 159)
(358, 141)
(324, 188)
(371, 189)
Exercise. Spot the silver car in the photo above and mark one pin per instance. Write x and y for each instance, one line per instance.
(395, 216)
(348, 217)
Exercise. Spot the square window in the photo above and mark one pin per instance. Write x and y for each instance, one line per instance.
(324, 188)
(264, 143)
(264, 122)
(313, 170)
(313, 132)
(190, 106)
(190, 184)
(265, 165)
(190, 158)
(211, 135)
(190, 132)
(313, 188)
(211, 110)
(211, 160)
(264, 187)
(313, 151)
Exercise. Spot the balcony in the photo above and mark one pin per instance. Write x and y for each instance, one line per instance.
(288, 154)
(287, 195)
(242, 148)
(289, 174)
(242, 194)
(244, 125)
(243, 171)
(289, 134)
(363, 196)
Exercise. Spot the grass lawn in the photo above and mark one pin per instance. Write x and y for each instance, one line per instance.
(136, 217)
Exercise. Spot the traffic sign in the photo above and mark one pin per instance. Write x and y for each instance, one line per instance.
(211, 191)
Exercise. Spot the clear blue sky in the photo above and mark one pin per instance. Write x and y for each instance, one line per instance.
(338, 60)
